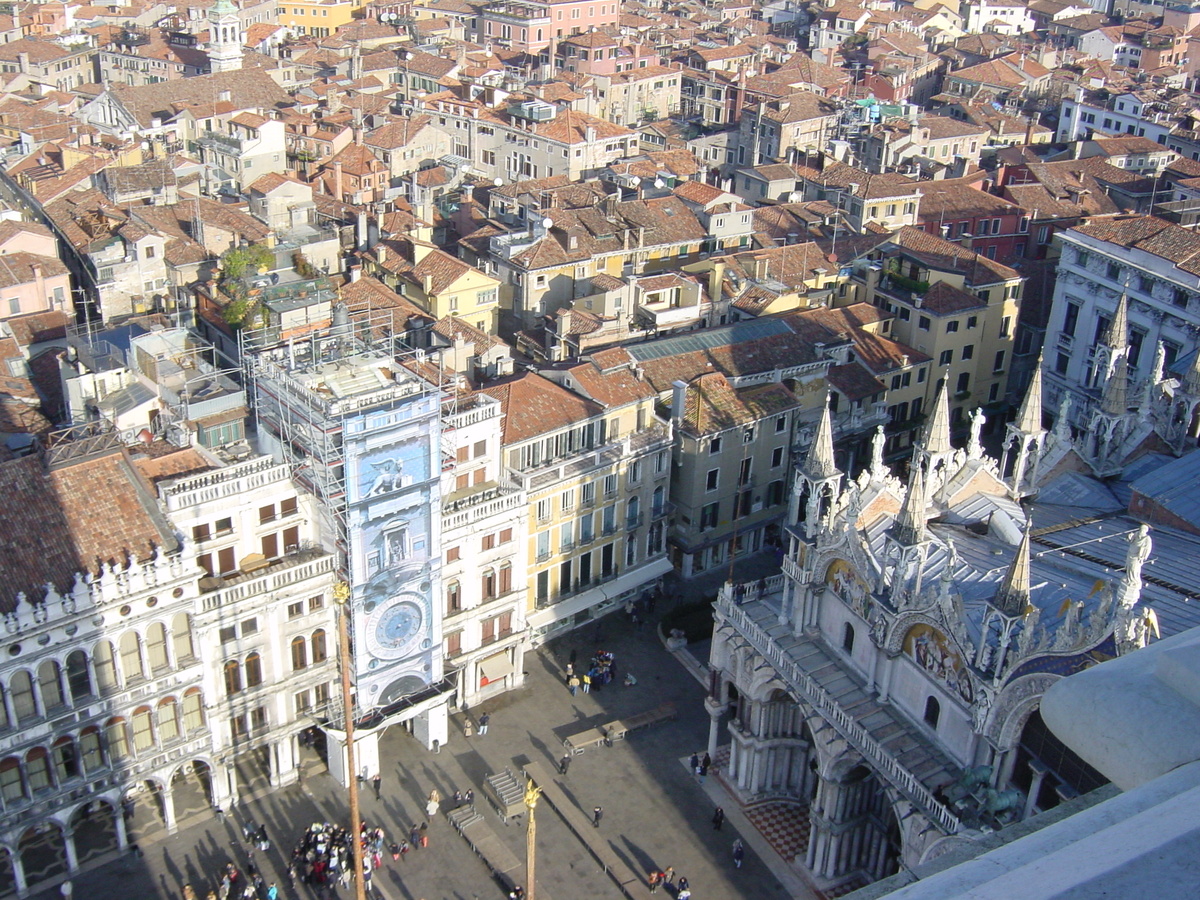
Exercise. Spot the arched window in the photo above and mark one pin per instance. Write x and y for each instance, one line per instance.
(319, 653)
(106, 668)
(505, 578)
(659, 498)
(131, 657)
(143, 730)
(156, 648)
(66, 759)
(90, 749)
(233, 677)
(78, 678)
(253, 670)
(12, 785)
(489, 584)
(299, 654)
(848, 638)
(933, 711)
(37, 769)
(24, 706)
(118, 739)
(50, 685)
(193, 710)
(181, 638)
(4, 723)
(453, 597)
(168, 719)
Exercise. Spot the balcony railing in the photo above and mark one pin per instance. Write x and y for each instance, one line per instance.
(833, 712)
(632, 522)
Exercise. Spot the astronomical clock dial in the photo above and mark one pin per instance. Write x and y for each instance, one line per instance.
(396, 627)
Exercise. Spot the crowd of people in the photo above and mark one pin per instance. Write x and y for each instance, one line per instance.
(324, 856)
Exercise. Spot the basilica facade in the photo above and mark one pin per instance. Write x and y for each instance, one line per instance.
(888, 680)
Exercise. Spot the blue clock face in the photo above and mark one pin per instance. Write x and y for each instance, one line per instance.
(396, 629)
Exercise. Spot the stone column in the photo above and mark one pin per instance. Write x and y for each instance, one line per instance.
(119, 823)
(800, 606)
(1039, 772)
(168, 807)
(69, 846)
(9, 709)
(19, 874)
(885, 682)
(64, 687)
(714, 730)
(756, 770)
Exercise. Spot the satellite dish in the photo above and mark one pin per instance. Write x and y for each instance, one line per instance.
(635, 180)
(548, 222)
(659, 183)
(497, 181)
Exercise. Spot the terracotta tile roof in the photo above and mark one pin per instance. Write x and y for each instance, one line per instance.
(248, 89)
(610, 387)
(854, 382)
(712, 404)
(178, 462)
(369, 294)
(453, 328)
(577, 321)
(264, 184)
(954, 198)
(71, 519)
(601, 229)
(746, 358)
(38, 327)
(17, 268)
(533, 405)
(942, 254)
(943, 299)
(570, 127)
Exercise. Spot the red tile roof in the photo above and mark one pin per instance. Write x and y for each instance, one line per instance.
(73, 518)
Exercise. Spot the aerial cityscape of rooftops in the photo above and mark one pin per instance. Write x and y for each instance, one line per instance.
(581, 447)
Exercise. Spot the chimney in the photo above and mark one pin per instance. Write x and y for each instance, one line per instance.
(381, 253)
(355, 273)
(337, 181)
(716, 275)
(678, 396)
(362, 230)
(39, 279)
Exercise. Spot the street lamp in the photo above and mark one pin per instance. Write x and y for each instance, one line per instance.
(341, 594)
(531, 798)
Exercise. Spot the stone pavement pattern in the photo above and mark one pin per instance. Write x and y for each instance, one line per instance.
(656, 813)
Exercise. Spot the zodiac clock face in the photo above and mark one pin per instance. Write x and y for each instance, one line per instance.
(396, 627)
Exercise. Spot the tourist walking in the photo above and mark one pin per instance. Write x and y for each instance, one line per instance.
(564, 764)
(669, 876)
(597, 813)
(376, 783)
(587, 683)
(718, 819)
(483, 723)
(694, 764)
(704, 764)
(653, 880)
(739, 852)
(573, 684)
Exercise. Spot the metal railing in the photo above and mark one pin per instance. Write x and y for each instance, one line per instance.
(854, 733)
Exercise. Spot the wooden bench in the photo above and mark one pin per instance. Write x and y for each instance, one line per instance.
(619, 730)
(577, 743)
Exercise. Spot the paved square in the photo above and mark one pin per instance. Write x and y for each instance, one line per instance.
(656, 813)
